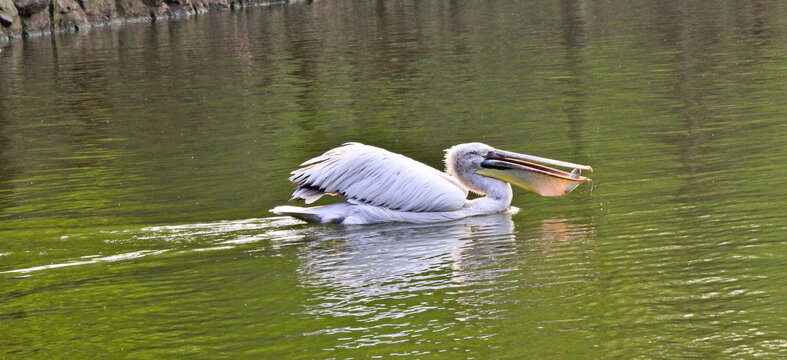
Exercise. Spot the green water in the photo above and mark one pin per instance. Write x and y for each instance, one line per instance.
(137, 165)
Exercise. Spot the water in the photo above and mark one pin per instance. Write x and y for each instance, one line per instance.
(137, 164)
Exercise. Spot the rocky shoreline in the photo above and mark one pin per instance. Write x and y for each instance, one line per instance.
(24, 18)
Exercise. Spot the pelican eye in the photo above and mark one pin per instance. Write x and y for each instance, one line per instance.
(487, 154)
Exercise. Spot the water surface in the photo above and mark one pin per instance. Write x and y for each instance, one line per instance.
(137, 165)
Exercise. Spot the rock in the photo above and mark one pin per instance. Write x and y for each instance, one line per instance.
(201, 8)
(218, 4)
(9, 19)
(132, 9)
(6, 20)
(180, 8)
(36, 24)
(99, 10)
(42, 17)
(30, 7)
(65, 6)
(153, 3)
(68, 15)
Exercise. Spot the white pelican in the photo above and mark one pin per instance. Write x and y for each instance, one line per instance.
(381, 186)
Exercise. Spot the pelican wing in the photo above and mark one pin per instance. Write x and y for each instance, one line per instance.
(369, 175)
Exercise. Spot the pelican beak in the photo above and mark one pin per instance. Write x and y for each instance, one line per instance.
(522, 170)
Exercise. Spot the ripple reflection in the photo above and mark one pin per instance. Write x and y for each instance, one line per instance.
(387, 284)
(379, 277)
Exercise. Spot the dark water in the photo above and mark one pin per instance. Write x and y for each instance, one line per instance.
(137, 165)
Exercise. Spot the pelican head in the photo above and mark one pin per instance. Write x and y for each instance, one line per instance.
(467, 161)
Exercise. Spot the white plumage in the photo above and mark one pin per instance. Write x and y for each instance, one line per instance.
(369, 175)
(381, 186)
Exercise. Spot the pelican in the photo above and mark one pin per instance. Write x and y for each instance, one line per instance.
(380, 186)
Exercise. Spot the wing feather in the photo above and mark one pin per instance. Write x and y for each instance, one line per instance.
(370, 175)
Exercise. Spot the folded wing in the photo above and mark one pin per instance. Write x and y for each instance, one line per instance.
(369, 175)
